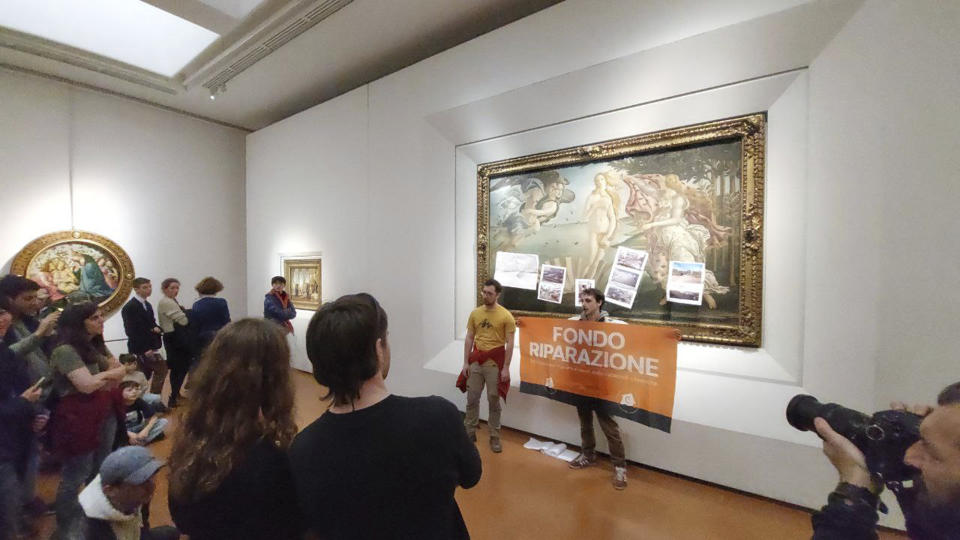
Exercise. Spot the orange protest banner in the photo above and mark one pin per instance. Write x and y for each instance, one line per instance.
(631, 370)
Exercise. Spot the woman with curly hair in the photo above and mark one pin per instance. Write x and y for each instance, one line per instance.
(229, 476)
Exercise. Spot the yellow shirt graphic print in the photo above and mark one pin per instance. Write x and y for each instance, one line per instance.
(490, 327)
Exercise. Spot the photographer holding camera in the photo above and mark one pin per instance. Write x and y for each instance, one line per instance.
(931, 505)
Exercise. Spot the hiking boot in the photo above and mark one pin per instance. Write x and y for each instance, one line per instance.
(495, 445)
(582, 461)
(619, 477)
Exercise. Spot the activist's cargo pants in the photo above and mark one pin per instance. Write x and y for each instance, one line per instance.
(477, 376)
(609, 426)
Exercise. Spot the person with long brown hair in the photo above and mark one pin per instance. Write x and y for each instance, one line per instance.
(229, 475)
(84, 423)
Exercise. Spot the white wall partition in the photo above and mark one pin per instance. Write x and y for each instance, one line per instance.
(860, 198)
(314, 203)
(167, 188)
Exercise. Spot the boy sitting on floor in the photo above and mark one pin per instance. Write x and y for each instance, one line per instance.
(129, 362)
(143, 424)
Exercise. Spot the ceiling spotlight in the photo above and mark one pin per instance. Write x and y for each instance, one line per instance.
(217, 90)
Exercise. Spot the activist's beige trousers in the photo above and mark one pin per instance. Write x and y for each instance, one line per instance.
(477, 376)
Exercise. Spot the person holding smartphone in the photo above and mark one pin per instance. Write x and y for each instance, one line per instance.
(30, 337)
(85, 421)
(17, 423)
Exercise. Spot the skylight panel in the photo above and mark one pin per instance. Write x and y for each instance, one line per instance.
(237, 9)
(130, 31)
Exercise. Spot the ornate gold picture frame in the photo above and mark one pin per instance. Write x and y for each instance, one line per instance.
(304, 281)
(692, 195)
(76, 266)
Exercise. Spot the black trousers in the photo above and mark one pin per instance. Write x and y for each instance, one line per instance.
(179, 358)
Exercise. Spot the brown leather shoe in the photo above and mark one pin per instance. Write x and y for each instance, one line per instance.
(582, 461)
(495, 445)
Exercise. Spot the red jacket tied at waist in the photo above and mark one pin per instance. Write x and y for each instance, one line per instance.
(479, 357)
(75, 425)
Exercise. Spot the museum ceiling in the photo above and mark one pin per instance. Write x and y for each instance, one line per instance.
(261, 60)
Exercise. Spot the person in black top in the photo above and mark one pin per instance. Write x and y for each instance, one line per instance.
(209, 313)
(18, 420)
(143, 334)
(376, 465)
(229, 473)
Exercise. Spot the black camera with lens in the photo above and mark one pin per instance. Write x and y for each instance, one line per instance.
(883, 438)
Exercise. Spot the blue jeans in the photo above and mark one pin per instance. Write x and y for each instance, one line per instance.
(158, 427)
(10, 499)
(151, 399)
(77, 471)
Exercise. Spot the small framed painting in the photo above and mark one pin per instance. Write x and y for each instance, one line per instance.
(304, 281)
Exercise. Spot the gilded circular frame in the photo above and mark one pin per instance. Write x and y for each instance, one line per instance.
(75, 263)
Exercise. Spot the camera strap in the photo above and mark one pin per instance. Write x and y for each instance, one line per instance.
(854, 495)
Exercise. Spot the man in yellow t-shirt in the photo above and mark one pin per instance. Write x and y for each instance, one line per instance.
(486, 361)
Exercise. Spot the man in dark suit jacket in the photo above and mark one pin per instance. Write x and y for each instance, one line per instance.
(143, 333)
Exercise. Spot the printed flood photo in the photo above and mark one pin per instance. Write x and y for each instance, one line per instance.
(685, 285)
(625, 277)
(553, 274)
(631, 258)
(582, 284)
(638, 205)
(552, 280)
(686, 273)
(550, 292)
(619, 296)
(693, 296)
(518, 270)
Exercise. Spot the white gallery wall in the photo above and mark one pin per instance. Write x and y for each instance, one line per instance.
(169, 189)
(859, 299)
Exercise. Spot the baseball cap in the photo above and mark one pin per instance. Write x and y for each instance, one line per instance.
(129, 465)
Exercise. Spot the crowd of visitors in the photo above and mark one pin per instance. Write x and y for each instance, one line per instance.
(238, 468)
(57, 370)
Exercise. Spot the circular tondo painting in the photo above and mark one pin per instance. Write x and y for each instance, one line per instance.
(76, 266)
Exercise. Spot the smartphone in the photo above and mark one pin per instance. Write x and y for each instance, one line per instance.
(42, 383)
